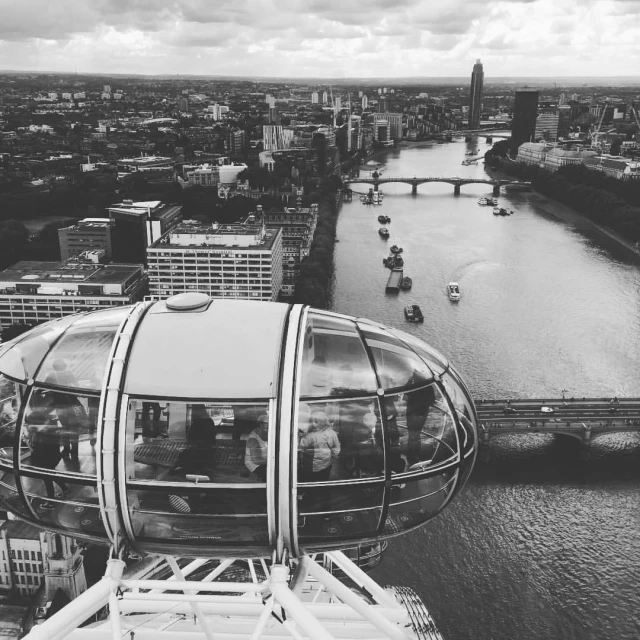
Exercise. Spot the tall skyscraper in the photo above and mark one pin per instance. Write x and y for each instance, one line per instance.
(525, 114)
(475, 98)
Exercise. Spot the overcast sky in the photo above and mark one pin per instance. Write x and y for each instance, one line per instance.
(323, 38)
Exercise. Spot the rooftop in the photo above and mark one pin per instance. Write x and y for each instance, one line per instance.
(218, 235)
(155, 208)
(26, 272)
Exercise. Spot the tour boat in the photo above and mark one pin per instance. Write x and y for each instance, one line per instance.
(453, 291)
(483, 201)
(384, 219)
(384, 232)
(394, 261)
(395, 249)
(413, 313)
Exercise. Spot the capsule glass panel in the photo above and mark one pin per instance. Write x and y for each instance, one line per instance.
(436, 361)
(417, 501)
(465, 412)
(10, 400)
(197, 442)
(64, 504)
(9, 495)
(398, 367)
(187, 463)
(79, 358)
(23, 358)
(179, 513)
(334, 361)
(59, 432)
(426, 434)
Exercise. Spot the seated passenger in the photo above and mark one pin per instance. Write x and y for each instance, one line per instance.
(255, 457)
(318, 448)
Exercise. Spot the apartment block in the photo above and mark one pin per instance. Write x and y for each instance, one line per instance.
(298, 225)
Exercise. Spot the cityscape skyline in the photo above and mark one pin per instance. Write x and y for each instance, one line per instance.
(323, 40)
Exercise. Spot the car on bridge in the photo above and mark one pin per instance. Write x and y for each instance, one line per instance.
(509, 409)
(546, 409)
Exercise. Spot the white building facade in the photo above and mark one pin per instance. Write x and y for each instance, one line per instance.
(225, 261)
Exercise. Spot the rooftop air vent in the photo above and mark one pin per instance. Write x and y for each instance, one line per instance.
(188, 301)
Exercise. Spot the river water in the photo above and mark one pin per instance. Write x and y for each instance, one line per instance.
(539, 545)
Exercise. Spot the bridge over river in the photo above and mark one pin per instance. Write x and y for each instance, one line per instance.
(582, 418)
(376, 180)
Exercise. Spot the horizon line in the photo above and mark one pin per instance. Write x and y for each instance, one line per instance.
(635, 78)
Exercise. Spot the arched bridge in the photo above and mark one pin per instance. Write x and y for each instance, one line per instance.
(582, 418)
(377, 180)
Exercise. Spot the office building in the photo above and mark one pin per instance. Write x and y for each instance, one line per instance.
(475, 95)
(90, 234)
(136, 225)
(314, 98)
(564, 120)
(525, 113)
(383, 104)
(34, 292)
(224, 261)
(547, 126)
(365, 102)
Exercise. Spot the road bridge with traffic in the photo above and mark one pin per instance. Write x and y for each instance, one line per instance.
(581, 418)
(376, 180)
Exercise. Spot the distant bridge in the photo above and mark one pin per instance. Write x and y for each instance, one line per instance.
(376, 180)
(583, 419)
(485, 133)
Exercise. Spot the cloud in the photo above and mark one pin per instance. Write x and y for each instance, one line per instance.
(325, 37)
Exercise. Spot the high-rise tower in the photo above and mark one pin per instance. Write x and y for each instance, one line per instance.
(525, 113)
(475, 98)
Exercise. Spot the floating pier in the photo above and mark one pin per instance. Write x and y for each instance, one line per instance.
(395, 278)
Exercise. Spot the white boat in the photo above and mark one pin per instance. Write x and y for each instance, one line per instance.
(453, 291)
(483, 201)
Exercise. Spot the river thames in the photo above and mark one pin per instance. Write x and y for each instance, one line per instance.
(539, 545)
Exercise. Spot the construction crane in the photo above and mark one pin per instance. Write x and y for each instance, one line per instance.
(635, 116)
(596, 132)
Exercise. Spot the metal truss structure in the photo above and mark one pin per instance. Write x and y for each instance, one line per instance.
(320, 597)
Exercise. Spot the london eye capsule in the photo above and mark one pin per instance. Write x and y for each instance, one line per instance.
(212, 428)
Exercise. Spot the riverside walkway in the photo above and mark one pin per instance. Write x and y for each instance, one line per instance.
(580, 418)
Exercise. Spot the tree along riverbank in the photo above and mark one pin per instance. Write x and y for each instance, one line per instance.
(315, 280)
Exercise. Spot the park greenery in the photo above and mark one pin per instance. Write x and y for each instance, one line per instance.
(609, 202)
